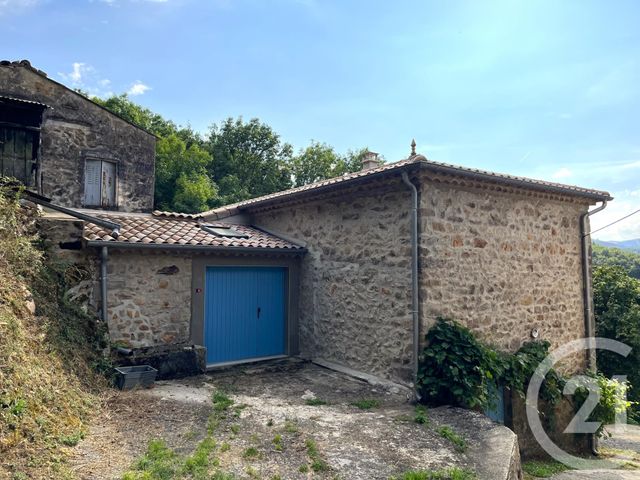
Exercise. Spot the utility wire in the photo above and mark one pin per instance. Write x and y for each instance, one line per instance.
(613, 223)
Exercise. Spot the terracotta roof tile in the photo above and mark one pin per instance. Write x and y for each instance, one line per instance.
(418, 160)
(150, 229)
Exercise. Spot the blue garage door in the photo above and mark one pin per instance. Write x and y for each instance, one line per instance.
(244, 313)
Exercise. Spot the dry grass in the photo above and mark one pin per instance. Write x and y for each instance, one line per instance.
(47, 386)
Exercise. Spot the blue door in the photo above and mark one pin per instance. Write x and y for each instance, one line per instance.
(244, 313)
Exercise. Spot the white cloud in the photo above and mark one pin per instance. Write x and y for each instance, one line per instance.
(86, 78)
(627, 229)
(77, 75)
(138, 88)
(564, 172)
(15, 6)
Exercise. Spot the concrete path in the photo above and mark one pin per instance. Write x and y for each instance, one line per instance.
(624, 448)
(360, 431)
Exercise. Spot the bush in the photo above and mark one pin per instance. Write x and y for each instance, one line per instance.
(457, 369)
(616, 298)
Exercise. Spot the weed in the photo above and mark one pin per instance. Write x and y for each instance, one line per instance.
(290, 426)
(457, 440)
(235, 428)
(443, 474)
(366, 403)
(251, 452)
(197, 464)
(159, 462)
(73, 439)
(315, 402)
(317, 463)
(421, 415)
(543, 469)
(221, 401)
(303, 468)
(270, 422)
(252, 472)
(225, 447)
(277, 443)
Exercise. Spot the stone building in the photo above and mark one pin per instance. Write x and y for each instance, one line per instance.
(70, 149)
(503, 255)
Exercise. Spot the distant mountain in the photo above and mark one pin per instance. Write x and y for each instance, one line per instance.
(633, 245)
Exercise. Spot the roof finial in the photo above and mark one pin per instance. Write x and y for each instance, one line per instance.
(413, 147)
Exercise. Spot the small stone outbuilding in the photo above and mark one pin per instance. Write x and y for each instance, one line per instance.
(64, 146)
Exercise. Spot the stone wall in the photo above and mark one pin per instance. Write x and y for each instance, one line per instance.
(149, 298)
(355, 289)
(502, 263)
(75, 128)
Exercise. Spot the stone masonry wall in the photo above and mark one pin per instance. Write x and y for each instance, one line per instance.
(76, 128)
(149, 298)
(355, 292)
(502, 264)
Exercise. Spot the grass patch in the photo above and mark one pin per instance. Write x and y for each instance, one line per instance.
(366, 403)
(159, 462)
(277, 443)
(251, 452)
(420, 415)
(48, 385)
(543, 469)
(290, 426)
(317, 462)
(221, 401)
(315, 402)
(456, 439)
(443, 474)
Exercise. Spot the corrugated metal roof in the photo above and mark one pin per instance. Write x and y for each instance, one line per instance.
(22, 100)
(417, 161)
(145, 229)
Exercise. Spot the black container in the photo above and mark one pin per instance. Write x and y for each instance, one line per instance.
(138, 376)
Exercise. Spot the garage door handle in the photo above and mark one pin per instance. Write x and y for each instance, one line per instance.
(258, 312)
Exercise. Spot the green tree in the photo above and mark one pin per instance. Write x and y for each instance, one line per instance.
(616, 298)
(320, 161)
(182, 180)
(249, 159)
(630, 261)
(122, 106)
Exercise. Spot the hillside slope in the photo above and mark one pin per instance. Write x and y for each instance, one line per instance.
(48, 389)
(632, 245)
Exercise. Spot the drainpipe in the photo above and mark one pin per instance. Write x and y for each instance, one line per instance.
(589, 320)
(104, 256)
(414, 278)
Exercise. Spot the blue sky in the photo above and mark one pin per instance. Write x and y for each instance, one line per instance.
(546, 89)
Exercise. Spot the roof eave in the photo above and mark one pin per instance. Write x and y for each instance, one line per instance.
(223, 212)
(515, 182)
(198, 248)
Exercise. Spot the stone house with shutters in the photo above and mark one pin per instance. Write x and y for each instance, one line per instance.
(349, 272)
(68, 148)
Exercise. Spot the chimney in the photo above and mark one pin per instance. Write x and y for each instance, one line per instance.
(370, 160)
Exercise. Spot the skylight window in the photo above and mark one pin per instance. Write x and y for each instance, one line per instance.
(223, 231)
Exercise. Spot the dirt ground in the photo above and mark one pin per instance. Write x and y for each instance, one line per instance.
(271, 400)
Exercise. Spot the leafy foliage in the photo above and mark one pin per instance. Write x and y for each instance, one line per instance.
(457, 369)
(320, 161)
(612, 401)
(616, 297)
(236, 161)
(608, 256)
